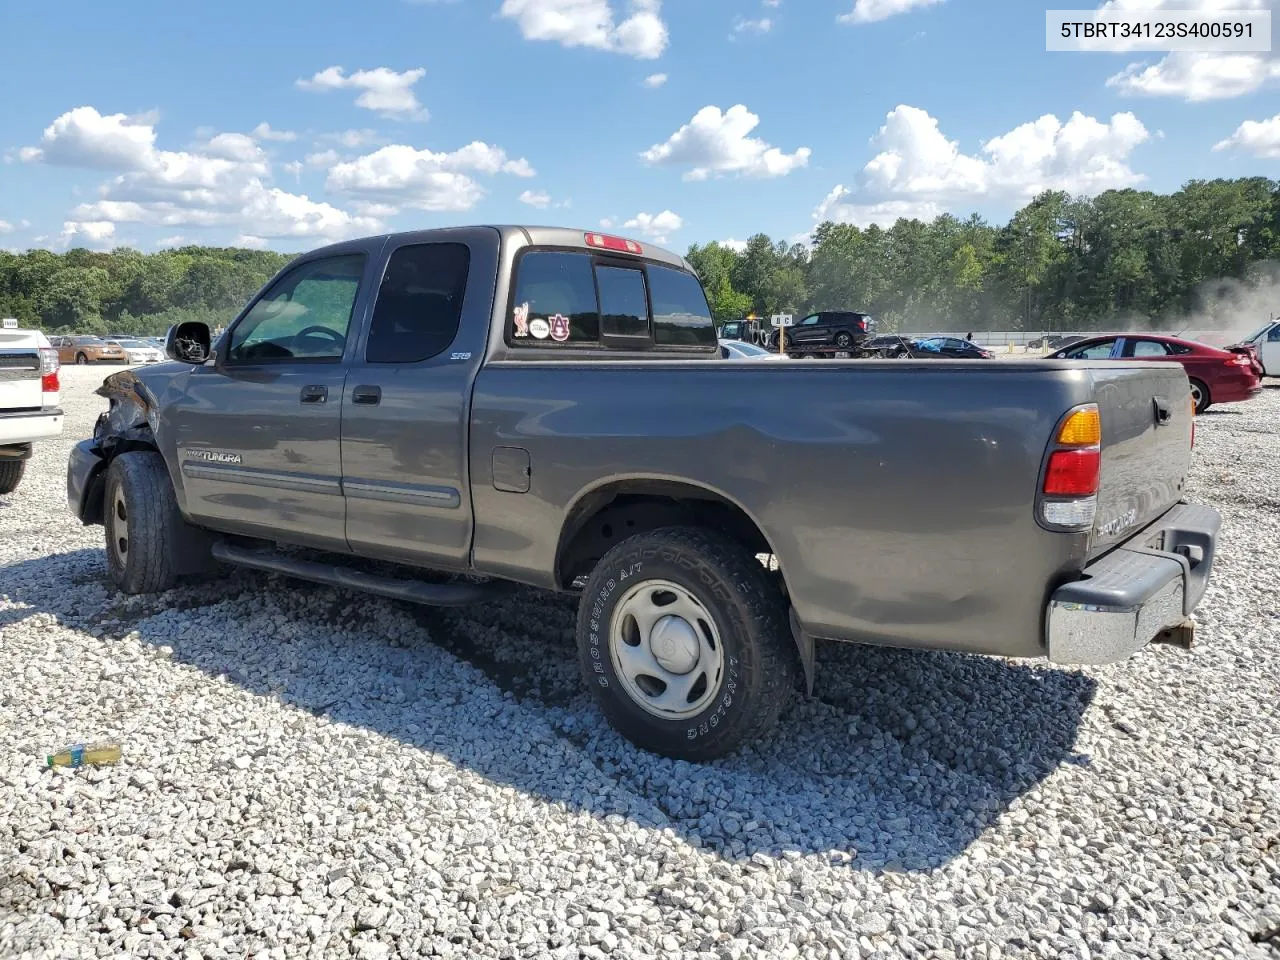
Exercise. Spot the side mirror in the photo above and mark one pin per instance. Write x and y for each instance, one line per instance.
(189, 342)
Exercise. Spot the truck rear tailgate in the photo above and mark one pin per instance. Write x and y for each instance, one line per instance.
(1146, 446)
(20, 378)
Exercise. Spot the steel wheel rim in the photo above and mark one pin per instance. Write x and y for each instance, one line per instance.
(1197, 394)
(844, 341)
(666, 650)
(120, 526)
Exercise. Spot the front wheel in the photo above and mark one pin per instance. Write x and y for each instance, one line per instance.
(142, 520)
(1200, 394)
(684, 642)
(11, 472)
(81, 360)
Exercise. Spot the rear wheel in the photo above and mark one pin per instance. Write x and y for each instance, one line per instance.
(684, 642)
(11, 472)
(844, 340)
(1200, 394)
(142, 520)
(81, 360)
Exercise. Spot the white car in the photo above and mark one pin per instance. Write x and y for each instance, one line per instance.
(140, 351)
(29, 397)
(1267, 342)
(741, 350)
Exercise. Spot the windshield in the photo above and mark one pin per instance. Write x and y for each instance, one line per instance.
(750, 350)
(134, 344)
(1258, 333)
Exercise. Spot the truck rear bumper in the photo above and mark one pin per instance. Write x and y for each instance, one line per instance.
(28, 426)
(1123, 600)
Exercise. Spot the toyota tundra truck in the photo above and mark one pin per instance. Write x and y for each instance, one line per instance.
(29, 395)
(438, 416)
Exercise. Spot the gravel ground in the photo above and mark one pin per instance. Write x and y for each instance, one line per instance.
(310, 773)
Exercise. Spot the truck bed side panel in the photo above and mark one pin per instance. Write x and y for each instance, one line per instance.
(898, 497)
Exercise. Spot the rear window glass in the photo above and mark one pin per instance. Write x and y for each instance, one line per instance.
(680, 313)
(555, 299)
(419, 303)
(624, 309)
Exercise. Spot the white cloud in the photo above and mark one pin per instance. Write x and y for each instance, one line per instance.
(539, 199)
(918, 172)
(263, 131)
(293, 167)
(735, 245)
(592, 23)
(351, 138)
(606, 223)
(1196, 76)
(758, 26)
(250, 241)
(382, 90)
(655, 226)
(176, 240)
(6, 226)
(422, 178)
(325, 158)
(93, 233)
(85, 138)
(655, 80)
(869, 11)
(234, 146)
(716, 143)
(224, 183)
(1258, 137)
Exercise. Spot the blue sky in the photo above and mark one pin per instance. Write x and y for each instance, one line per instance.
(152, 124)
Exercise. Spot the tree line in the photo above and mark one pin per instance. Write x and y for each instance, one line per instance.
(1060, 263)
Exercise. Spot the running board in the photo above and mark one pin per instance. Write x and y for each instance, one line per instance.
(414, 591)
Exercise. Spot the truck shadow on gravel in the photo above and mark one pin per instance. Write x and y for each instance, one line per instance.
(899, 762)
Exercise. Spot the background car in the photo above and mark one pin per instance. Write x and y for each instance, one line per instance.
(86, 349)
(1216, 376)
(741, 350)
(1266, 346)
(950, 347)
(841, 329)
(141, 351)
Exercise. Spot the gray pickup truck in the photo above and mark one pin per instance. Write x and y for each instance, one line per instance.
(440, 415)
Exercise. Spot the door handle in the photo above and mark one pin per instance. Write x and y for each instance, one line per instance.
(315, 393)
(367, 394)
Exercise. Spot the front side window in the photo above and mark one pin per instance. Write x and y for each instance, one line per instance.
(1274, 335)
(555, 299)
(681, 316)
(305, 316)
(1094, 351)
(419, 305)
(812, 321)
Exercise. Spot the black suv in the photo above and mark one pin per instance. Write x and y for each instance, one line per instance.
(840, 329)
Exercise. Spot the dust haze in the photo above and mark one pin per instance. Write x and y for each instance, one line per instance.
(1228, 310)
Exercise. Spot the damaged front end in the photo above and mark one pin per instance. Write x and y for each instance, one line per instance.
(129, 423)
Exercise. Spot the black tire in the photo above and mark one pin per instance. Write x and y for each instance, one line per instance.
(844, 340)
(11, 472)
(747, 615)
(142, 521)
(81, 360)
(1200, 393)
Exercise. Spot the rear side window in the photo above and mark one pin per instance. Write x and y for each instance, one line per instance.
(681, 316)
(555, 299)
(624, 307)
(419, 303)
(1148, 348)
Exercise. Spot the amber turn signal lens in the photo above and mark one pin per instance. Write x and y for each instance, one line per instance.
(1082, 429)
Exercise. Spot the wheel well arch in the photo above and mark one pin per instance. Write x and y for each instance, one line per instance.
(616, 509)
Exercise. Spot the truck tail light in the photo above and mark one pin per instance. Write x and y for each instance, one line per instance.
(49, 367)
(1193, 422)
(1069, 493)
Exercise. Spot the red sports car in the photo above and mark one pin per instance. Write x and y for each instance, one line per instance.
(1217, 376)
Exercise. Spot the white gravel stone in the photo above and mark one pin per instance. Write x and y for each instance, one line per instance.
(311, 773)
